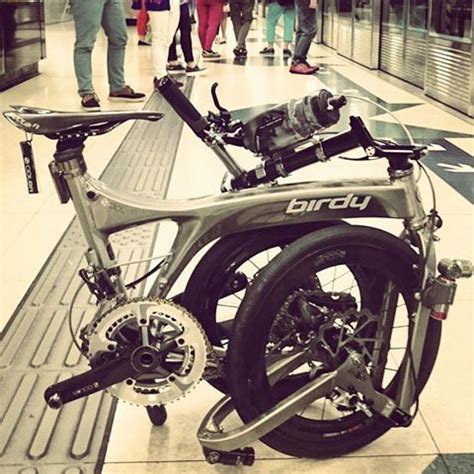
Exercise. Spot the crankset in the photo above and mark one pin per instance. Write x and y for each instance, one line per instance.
(144, 351)
(142, 360)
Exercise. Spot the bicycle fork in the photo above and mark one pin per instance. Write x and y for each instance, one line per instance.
(352, 376)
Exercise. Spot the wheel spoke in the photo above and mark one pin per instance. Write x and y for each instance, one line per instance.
(222, 305)
(254, 264)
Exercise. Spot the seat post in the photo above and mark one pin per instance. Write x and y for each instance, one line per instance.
(69, 155)
(69, 172)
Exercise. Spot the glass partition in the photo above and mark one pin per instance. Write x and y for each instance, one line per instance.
(418, 14)
(22, 23)
(363, 11)
(344, 9)
(452, 18)
(392, 12)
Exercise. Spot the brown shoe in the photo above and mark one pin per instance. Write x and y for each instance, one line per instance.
(127, 94)
(90, 103)
(303, 68)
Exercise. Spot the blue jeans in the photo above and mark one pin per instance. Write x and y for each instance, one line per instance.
(306, 30)
(89, 16)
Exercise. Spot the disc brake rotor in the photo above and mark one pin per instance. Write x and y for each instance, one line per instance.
(165, 324)
(331, 326)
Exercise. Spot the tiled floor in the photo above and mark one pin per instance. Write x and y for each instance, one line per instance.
(30, 226)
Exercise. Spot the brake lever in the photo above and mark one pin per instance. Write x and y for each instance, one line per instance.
(224, 113)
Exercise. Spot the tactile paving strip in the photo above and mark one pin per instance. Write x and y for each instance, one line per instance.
(36, 349)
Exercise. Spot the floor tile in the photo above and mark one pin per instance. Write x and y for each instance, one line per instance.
(362, 465)
(377, 86)
(11, 225)
(429, 116)
(465, 144)
(462, 463)
(446, 403)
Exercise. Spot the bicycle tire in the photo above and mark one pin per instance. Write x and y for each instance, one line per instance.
(245, 365)
(206, 283)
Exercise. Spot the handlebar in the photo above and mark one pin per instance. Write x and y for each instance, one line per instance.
(182, 106)
(317, 111)
(397, 155)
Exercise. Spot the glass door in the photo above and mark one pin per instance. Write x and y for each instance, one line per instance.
(330, 23)
(449, 66)
(344, 34)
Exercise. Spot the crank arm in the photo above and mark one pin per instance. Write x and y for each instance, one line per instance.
(89, 382)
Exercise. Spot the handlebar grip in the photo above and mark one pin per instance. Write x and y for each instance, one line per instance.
(182, 105)
(339, 143)
(337, 102)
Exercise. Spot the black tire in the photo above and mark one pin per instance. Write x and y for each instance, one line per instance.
(383, 258)
(221, 263)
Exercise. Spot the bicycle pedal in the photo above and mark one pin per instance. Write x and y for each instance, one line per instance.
(244, 456)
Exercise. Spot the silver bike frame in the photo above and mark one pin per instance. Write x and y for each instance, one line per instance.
(102, 211)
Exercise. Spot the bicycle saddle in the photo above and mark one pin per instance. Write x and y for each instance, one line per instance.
(55, 124)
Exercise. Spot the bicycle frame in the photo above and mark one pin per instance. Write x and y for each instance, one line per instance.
(103, 211)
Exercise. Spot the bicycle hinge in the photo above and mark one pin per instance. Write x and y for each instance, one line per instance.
(440, 293)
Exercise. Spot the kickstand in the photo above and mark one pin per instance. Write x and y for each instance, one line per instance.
(157, 414)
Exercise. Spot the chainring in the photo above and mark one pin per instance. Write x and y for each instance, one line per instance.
(120, 330)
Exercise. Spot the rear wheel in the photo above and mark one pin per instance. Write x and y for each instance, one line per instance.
(218, 284)
(329, 293)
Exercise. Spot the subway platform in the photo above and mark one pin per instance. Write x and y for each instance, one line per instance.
(41, 251)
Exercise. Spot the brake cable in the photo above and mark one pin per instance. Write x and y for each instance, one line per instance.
(370, 101)
(432, 216)
(69, 318)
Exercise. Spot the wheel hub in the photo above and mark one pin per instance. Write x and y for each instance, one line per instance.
(328, 323)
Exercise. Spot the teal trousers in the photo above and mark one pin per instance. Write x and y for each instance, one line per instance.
(274, 12)
(89, 16)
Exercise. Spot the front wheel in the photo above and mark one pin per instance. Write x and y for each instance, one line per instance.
(330, 293)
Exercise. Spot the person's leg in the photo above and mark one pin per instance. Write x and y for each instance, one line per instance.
(172, 53)
(160, 44)
(185, 34)
(223, 23)
(113, 22)
(173, 22)
(215, 13)
(274, 11)
(247, 17)
(87, 15)
(288, 26)
(142, 22)
(235, 16)
(306, 30)
(202, 9)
